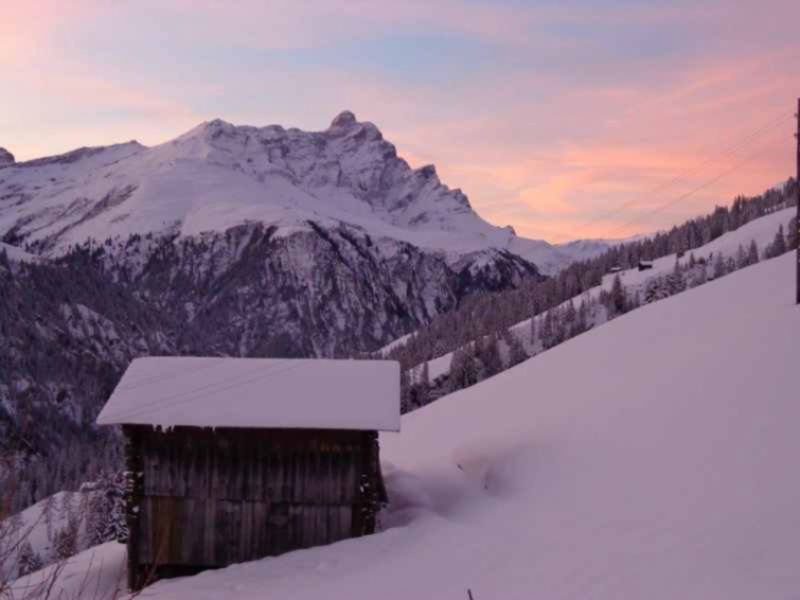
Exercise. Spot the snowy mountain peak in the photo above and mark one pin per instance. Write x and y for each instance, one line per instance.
(6, 158)
(428, 172)
(344, 119)
(219, 175)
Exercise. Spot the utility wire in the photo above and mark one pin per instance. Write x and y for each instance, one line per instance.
(730, 149)
(148, 380)
(194, 397)
(693, 191)
(201, 390)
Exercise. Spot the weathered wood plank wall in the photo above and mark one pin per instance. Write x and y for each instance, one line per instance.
(214, 497)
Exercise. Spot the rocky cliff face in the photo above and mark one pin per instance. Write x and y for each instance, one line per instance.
(6, 158)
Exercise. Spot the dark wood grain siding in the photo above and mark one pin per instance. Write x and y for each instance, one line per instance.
(251, 467)
(210, 498)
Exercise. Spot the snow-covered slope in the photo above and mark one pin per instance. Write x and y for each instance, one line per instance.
(761, 231)
(219, 175)
(61, 525)
(95, 574)
(649, 458)
(16, 254)
(38, 525)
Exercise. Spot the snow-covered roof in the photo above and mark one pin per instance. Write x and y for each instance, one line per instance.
(255, 392)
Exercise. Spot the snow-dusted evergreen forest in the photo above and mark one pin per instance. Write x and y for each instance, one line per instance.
(490, 332)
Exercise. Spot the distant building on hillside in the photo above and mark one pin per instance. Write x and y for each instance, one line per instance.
(236, 459)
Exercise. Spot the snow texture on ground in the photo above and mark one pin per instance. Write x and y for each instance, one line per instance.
(39, 524)
(95, 574)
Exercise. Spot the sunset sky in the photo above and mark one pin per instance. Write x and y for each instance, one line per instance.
(564, 119)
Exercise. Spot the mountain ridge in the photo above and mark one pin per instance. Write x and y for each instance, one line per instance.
(218, 175)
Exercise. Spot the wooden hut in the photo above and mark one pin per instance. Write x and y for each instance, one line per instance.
(236, 459)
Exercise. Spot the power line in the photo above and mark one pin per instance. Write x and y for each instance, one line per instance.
(208, 388)
(690, 193)
(194, 397)
(729, 150)
(145, 381)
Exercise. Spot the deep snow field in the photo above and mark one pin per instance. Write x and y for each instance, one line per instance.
(653, 457)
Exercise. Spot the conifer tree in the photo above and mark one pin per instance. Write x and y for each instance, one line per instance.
(47, 516)
(741, 257)
(618, 302)
(405, 391)
(635, 301)
(730, 264)
(66, 539)
(752, 253)
(424, 385)
(719, 266)
(489, 355)
(516, 351)
(117, 526)
(463, 369)
(559, 325)
(791, 235)
(570, 314)
(28, 561)
(583, 317)
(547, 330)
(676, 282)
(778, 245)
(532, 330)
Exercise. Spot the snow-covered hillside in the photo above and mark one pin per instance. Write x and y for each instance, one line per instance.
(649, 458)
(218, 175)
(761, 231)
(61, 525)
(39, 526)
(16, 254)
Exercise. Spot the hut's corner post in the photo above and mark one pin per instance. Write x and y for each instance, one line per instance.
(372, 490)
(134, 495)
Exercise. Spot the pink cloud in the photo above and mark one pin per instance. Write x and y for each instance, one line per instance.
(541, 149)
